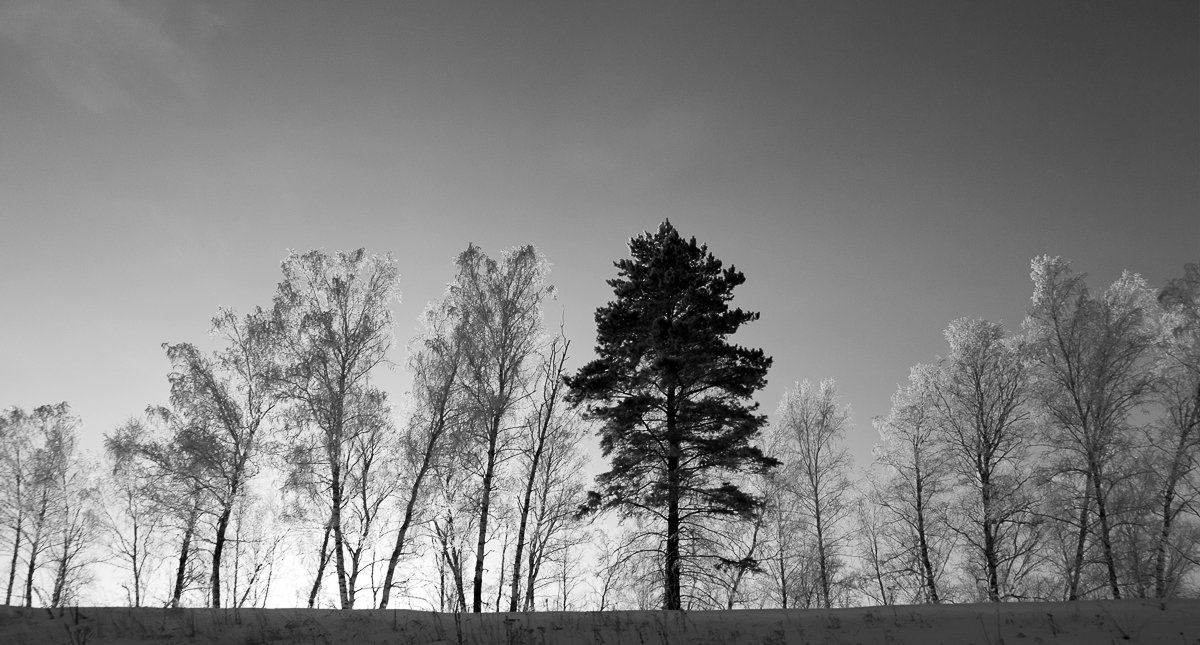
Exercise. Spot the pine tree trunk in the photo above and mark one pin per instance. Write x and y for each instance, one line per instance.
(673, 599)
(671, 571)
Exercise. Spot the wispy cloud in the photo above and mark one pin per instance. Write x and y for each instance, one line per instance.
(103, 54)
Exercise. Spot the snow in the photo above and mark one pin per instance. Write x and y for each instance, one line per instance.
(1087, 622)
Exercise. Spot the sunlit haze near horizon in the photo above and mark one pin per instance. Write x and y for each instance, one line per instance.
(876, 169)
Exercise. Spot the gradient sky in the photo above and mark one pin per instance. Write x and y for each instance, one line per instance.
(876, 169)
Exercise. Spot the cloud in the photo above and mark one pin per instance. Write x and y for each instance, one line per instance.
(102, 54)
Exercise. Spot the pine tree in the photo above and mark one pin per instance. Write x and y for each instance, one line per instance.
(672, 395)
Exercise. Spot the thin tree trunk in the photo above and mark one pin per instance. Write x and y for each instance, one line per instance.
(441, 581)
(741, 572)
(339, 556)
(783, 592)
(453, 560)
(181, 570)
(267, 587)
(60, 577)
(235, 484)
(485, 505)
(1105, 538)
(564, 581)
(237, 563)
(537, 550)
(12, 567)
(989, 540)
(137, 572)
(1168, 512)
(409, 513)
(879, 578)
(355, 560)
(34, 545)
(456, 571)
(500, 587)
(334, 450)
(923, 541)
(322, 561)
(1081, 541)
(1164, 537)
(545, 418)
(218, 552)
(821, 555)
(516, 568)
(536, 553)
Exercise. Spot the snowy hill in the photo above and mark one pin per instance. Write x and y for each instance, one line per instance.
(1091, 623)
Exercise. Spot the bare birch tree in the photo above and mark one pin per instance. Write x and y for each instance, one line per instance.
(553, 525)
(180, 483)
(457, 499)
(336, 322)
(1177, 434)
(136, 525)
(438, 412)
(499, 302)
(229, 396)
(16, 448)
(56, 505)
(77, 532)
(1092, 354)
(784, 555)
(916, 479)
(545, 421)
(51, 460)
(981, 398)
(813, 422)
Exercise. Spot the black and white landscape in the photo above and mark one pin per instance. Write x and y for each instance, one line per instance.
(803, 322)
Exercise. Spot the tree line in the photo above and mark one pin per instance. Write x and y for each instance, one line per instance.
(1056, 462)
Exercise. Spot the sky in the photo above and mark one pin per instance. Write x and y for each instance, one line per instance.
(876, 169)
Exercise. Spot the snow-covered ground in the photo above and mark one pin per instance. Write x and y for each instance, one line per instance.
(1090, 623)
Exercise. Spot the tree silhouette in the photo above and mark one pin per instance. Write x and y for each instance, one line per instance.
(672, 394)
